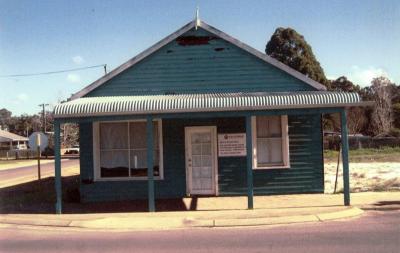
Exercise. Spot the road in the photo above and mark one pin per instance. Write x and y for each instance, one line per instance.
(28, 173)
(374, 232)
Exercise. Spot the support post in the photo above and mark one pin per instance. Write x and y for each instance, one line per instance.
(249, 159)
(150, 169)
(38, 153)
(345, 157)
(38, 161)
(57, 166)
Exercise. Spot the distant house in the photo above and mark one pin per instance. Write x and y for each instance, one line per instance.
(10, 141)
(201, 114)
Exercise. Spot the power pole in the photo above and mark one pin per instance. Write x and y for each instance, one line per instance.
(44, 116)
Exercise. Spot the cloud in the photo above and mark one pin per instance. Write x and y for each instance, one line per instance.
(331, 77)
(78, 59)
(364, 76)
(74, 78)
(22, 97)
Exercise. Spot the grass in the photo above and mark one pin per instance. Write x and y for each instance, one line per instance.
(387, 154)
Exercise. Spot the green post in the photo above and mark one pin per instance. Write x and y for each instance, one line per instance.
(345, 158)
(249, 156)
(57, 166)
(150, 169)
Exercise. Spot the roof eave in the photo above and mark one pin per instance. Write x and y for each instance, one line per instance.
(133, 60)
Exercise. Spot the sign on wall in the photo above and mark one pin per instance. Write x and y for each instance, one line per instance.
(232, 144)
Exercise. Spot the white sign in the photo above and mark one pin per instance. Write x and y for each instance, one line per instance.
(38, 139)
(232, 144)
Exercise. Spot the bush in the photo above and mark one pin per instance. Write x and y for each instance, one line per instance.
(48, 152)
(395, 132)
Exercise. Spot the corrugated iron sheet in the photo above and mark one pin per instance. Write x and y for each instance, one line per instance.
(123, 105)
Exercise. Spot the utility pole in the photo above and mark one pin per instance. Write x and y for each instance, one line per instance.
(44, 116)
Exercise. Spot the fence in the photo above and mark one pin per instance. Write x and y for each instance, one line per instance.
(17, 154)
(358, 142)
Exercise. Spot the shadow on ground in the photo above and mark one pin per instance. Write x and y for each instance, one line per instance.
(387, 205)
(39, 198)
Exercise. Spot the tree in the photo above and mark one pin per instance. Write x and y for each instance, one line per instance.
(357, 117)
(343, 84)
(5, 118)
(25, 124)
(396, 109)
(290, 48)
(382, 115)
(70, 134)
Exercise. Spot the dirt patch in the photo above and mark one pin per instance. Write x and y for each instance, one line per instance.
(374, 176)
(39, 198)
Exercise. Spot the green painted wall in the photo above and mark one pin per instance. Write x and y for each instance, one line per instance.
(304, 176)
(213, 66)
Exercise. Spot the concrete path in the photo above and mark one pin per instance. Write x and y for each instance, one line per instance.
(270, 210)
(179, 220)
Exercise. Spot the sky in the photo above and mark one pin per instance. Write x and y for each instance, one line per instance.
(358, 39)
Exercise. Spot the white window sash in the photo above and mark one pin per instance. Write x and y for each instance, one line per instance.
(96, 153)
(285, 144)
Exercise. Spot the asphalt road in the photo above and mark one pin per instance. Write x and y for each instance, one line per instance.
(31, 171)
(374, 232)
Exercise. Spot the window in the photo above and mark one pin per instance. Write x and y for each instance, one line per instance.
(121, 150)
(270, 142)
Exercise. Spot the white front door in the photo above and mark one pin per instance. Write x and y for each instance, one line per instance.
(201, 160)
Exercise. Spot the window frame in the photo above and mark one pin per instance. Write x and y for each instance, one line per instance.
(96, 152)
(285, 144)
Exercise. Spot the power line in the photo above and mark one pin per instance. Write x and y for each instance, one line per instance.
(55, 72)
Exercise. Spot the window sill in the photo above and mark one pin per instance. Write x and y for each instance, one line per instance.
(126, 179)
(272, 167)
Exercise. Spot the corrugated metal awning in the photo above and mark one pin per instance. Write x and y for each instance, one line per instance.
(211, 102)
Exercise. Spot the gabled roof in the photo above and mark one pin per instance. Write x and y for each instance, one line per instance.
(180, 32)
(6, 136)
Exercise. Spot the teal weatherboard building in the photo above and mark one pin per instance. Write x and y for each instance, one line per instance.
(201, 114)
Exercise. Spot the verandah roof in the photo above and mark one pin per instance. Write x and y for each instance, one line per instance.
(158, 104)
(6, 136)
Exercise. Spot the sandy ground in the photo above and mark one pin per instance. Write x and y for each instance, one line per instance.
(373, 176)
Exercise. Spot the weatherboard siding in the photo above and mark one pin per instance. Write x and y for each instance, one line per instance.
(305, 174)
(199, 62)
